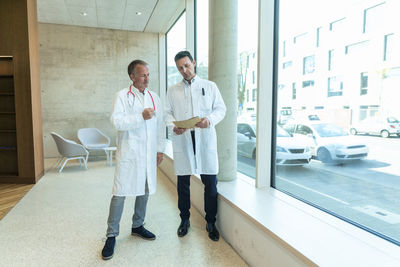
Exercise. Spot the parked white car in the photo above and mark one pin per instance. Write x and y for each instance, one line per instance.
(329, 142)
(289, 150)
(383, 126)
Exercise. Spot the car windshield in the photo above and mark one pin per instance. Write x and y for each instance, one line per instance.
(254, 128)
(329, 130)
(392, 120)
(281, 132)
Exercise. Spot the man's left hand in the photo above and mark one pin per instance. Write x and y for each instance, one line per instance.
(160, 157)
(203, 123)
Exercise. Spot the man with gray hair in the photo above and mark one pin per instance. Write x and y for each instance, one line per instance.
(138, 117)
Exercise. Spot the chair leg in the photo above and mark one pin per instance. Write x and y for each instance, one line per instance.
(65, 162)
(85, 162)
(59, 163)
(80, 162)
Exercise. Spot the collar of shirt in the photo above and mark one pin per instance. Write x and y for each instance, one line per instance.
(188, 98)
(191, 81)
(139, 94)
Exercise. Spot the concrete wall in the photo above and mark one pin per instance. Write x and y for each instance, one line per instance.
(81, 69)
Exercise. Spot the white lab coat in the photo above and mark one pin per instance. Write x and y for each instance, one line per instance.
(209, 105)
(139, 141)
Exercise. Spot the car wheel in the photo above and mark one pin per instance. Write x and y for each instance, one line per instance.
(254, 154)
(324, 155)
(385, 134)
(353, 131)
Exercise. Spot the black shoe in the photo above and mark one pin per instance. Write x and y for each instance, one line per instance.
(183, 228)
(108, 250)
(143, 233)
(212, 230)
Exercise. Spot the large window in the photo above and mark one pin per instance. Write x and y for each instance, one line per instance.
(175, 42)
(337, 148)
(202, 38)
(247, 85)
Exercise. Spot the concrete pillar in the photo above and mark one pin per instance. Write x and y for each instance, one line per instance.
(223, 71)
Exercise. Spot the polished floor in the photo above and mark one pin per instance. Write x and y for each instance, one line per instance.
(61, 221)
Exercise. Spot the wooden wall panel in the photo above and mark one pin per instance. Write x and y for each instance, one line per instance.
(19, 39)
(35, 88)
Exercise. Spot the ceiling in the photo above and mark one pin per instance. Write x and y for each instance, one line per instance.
(156, 15)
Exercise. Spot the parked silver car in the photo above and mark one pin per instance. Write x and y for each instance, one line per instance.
(289, 150)
(329, 142)
(383, 126)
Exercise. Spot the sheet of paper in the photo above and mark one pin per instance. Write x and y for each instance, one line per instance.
(187, 124)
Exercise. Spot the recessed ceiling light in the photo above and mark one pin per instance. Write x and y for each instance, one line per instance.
(138, 13)
(83, 14)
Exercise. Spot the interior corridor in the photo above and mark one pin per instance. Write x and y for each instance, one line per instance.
(61, 221)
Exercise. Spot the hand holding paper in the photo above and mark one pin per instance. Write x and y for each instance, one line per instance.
(187, 124)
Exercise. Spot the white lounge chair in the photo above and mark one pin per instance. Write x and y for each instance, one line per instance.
(93, 139)
(69, 150)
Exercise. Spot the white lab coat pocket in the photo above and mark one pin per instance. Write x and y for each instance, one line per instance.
(128, 149)
(205, 105)
(209, 139)
(178, 142)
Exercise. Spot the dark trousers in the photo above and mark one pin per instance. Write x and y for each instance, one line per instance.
(210, 194)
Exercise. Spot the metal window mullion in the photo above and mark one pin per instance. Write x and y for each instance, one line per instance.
(265, 81)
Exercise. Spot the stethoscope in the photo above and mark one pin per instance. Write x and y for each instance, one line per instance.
(133, 94)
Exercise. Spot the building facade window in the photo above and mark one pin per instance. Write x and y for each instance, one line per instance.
(358, 48)
(388, 47)
(254, 95)
(363, 83)
(318, 37)
(308, 64)
(335, 86)
(287, 64)
(308, 83)
(337, 25)
(299, 38)
(284, 49)
(331, 54)
(293, 91)
(372, 19)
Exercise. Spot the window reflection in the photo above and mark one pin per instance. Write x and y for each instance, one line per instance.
(176, 41)
(345, 109)
(202, 38)
(247, 86)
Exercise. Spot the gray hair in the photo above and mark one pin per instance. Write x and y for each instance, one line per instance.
(133, 64)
